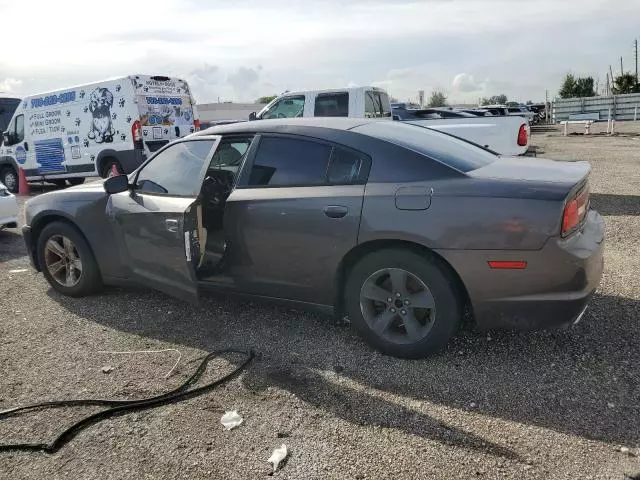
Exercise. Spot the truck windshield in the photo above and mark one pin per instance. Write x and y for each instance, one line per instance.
(452, 151)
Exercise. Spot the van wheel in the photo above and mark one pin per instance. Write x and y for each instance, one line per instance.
(66, 260)
(403, 303)
(107, 169)
(9, 177)
(76, 181)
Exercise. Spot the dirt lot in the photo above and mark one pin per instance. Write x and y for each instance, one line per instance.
(548, 405)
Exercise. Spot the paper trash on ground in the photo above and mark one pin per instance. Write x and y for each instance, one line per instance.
(277, 456)
(231, 419)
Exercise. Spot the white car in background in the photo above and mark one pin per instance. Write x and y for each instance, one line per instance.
(8, 208)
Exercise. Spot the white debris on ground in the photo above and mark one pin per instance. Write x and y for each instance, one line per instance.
(231, 420)
(278, 455)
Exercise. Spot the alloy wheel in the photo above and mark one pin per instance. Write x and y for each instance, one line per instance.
(11, 181)
(62, 261)
(397, 305)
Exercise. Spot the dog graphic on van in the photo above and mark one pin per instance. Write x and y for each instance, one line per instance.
(100, 103)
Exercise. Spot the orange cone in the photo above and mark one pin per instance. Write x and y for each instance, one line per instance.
(23, 186)
(114, 170)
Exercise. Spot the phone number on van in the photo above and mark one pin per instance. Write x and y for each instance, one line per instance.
(65, 97)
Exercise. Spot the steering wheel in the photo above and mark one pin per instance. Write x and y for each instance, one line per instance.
(216, 190)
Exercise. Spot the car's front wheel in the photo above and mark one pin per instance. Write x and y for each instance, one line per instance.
(403, 303)
(67, 261)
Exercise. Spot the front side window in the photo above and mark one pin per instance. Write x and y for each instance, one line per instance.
(287, 107)
(176, 170)
(19, 129)
(332, 105)
(282, 161)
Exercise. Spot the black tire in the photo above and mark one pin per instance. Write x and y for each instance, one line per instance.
(108, 165)
(9, 177)
(433, 274)
(90, 280)
(75, 181)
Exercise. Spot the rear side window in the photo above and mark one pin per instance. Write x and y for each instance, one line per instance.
(345, 167)
(282, 161)
(376, 104)
(332, 105)
(459, 154)
(176, 170)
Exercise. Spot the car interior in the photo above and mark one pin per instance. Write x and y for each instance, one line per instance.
(216, 188)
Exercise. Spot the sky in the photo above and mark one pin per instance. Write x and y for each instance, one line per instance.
(239, 50)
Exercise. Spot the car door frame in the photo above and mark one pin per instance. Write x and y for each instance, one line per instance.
(242, 182)
(188, 292)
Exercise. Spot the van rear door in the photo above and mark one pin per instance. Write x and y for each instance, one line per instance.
(166, 108)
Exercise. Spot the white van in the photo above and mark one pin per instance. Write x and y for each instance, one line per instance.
(359, 102)
(94, 129)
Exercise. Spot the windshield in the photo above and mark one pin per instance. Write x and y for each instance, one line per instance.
(460, 154)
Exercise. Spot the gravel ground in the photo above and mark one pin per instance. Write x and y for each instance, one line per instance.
(548, 405)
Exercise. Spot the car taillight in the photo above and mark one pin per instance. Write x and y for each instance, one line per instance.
(136, 135)
(136, 132)
(196, 125)
(522, 136)
(575, 210)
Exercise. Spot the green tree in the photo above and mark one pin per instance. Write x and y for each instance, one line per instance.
(625, 83)
(437, 99)
(495, 100)
(266, 99)
(577, 87)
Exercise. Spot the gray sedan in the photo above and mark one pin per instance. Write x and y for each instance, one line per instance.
(402, 228)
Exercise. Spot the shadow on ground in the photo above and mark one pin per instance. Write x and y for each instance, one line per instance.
(580, 381)
(11, 245)
(610, 204)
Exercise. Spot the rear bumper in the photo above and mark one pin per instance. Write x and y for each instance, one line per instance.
(553, 290)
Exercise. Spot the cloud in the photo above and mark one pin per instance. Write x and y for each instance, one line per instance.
(465, 83)
(10, 85)
(243, 78)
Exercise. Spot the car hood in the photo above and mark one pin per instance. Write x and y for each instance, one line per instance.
(530, 169)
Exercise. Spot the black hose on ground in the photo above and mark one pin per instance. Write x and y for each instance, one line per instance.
(119, 407)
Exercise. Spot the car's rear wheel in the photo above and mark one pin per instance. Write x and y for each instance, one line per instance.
(110, 168)
(403, 303)
(9, 177)
(66, 260)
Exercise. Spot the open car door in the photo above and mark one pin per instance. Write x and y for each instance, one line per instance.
(158, 222)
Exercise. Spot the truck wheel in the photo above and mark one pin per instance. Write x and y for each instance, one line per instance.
(107, 169)
(403, 303)
(9, 177)
(75, 181)
(67, 261)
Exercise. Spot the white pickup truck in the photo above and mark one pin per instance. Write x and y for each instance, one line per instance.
(504, 135)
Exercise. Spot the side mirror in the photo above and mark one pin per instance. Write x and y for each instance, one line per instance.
(6, 137)
(117, 184)
(252, 116)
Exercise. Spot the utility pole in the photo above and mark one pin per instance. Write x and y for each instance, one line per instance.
(606, 90)
(621, 69)
(612, 78)
(635, 44)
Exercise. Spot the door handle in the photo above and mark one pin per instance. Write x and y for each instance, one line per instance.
(335, 211)
(26, 146)
(171, 224)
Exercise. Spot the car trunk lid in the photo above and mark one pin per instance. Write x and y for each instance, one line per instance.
(534, 170)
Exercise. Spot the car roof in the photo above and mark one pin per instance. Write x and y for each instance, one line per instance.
(275, 125)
